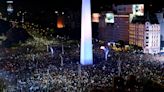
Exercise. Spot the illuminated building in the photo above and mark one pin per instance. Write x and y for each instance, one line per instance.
(145, 32)
(136, 34)
(117, 27)
(152, 38)
(121, 28)
(118, 30)
(86, 54)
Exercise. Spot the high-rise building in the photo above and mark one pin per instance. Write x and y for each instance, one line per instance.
(152, 38)
(136, 34)
(121, 26)
(114, 31)
(118, 29)
(144, 31)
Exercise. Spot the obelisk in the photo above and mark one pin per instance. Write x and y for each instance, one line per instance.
(86, 54)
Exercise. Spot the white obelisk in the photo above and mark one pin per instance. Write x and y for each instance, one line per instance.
(86, 54)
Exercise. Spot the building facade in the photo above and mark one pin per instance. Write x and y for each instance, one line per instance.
(136, 34)
(152, 38)
(121, 28)
(114, 31)
(145, 35)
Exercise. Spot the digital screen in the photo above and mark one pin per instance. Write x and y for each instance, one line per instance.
(138, 9)
(9, 2)
(109, 18)
(10, 8)
(95, 17)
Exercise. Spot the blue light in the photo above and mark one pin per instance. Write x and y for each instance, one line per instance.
(86, 54)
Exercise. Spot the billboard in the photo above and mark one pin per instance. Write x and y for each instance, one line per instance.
(95, 17)
(138, 9)
(9, 6)
(109, 18)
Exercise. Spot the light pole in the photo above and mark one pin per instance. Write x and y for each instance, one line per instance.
(62, 49)
(61, 61)
(23, 16)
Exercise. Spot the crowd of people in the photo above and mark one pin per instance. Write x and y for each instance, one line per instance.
(28, 70)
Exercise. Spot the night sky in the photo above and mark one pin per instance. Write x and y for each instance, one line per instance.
(35, 5)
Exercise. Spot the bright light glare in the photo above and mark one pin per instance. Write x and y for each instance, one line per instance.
(102, 47)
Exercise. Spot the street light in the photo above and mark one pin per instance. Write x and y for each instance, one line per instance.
(106, 51)
(22, 14)
(61, 57)
(62, 13)
(56, 12)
